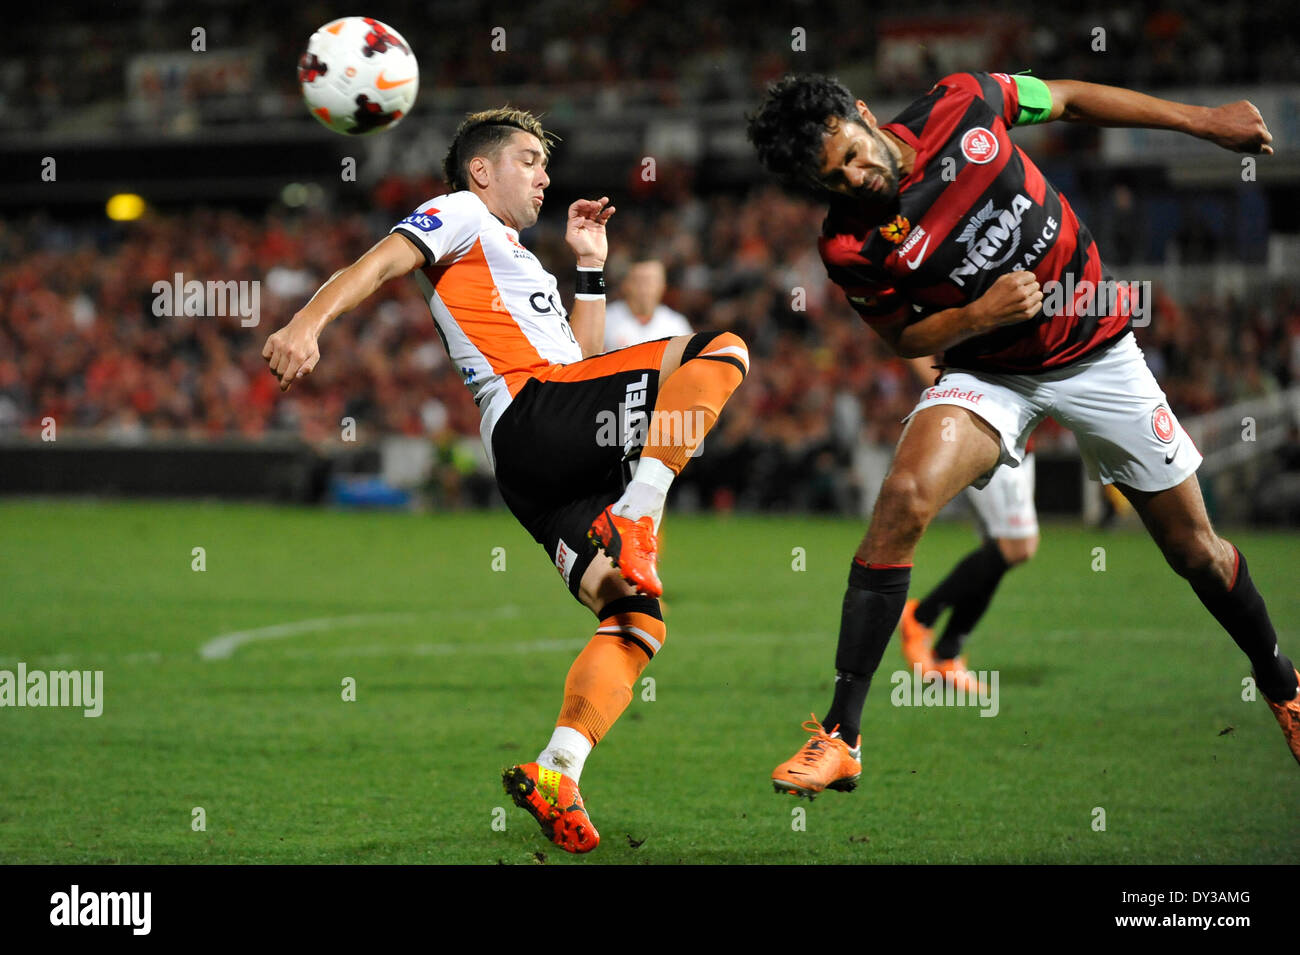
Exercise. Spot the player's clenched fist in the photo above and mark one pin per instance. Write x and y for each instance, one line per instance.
(292, 353)
(1239, 127)
(1014, 297)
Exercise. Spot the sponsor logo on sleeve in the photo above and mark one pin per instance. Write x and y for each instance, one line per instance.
(425, 220)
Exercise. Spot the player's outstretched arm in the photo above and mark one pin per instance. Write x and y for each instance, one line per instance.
(292, 352)
(585, 234)
(1235, 126)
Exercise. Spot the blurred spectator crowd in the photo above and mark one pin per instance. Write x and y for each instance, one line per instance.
(81, 343)
(574, 52)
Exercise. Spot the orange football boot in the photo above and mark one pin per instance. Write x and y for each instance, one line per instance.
(554, 801)
(632, 546)
(1288, 716)
(917, 637)
(824, 762)
(954, 671)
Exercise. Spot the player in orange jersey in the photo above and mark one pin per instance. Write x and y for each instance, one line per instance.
(564, 426)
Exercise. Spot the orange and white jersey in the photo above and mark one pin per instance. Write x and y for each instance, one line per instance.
(497, 310)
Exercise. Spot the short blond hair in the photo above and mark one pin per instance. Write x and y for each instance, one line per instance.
(483, 134)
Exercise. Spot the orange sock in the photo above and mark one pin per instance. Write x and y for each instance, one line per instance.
(599, 685)
(692, 398)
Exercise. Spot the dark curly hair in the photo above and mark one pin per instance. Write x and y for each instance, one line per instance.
(789, 125)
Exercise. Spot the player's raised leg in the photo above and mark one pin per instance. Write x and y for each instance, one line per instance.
(943, 449)
(698, 375)
(597, 690)
(1218, 574)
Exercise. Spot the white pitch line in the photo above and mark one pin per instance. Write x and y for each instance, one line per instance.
(224, 646)
(531, 646)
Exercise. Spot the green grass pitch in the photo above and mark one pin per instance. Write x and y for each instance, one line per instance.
(1117, 691)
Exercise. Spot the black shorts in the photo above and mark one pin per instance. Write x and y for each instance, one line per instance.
(563, 446)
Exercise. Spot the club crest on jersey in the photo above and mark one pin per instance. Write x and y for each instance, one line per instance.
(979, 145)
(425, 220)
(1162, 424)
(896, 230)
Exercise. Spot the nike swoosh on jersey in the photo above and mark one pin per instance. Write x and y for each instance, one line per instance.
(915, 263)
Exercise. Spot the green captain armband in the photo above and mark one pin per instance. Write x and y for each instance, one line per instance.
(1035, 100)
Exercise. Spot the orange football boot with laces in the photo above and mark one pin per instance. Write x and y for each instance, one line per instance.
(554, 801)
(1288, 717)
(824, 762)
(633, 548)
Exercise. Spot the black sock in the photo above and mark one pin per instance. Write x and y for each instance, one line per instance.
(977, 572)
(873, 603)
(982, 571)
(1242, 613)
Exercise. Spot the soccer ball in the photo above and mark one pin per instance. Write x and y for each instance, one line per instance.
(358, 76)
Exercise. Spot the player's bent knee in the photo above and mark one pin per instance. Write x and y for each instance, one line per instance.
(718, 346)
(903, 504)
(1018, 550)
(636, 619)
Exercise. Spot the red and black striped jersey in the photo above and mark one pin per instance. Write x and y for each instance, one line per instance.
(972, 208)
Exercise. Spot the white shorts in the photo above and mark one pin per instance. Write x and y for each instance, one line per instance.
(1111, 401)
(1005, 506)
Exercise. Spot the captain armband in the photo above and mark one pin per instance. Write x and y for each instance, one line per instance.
(1035, 100)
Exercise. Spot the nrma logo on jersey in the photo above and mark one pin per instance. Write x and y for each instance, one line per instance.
(425, 220)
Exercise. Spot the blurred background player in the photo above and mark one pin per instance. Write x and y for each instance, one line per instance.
(542, 395)
(1008, 521)
(640, 315)
(952, 264)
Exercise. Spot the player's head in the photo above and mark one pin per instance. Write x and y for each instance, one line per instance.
(501, 156)
(819, 141)
(643, 286)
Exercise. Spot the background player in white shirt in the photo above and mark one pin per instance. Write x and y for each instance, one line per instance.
(641, 316)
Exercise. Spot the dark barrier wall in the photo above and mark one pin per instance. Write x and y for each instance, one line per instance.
(288, 472)
(291, 472)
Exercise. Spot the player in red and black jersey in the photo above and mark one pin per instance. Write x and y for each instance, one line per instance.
(947, 239)
(970, 207)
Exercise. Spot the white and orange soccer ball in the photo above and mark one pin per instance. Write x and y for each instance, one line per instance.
(358, 76)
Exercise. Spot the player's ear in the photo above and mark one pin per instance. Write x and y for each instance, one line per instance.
(478, 171)
(866, 114)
